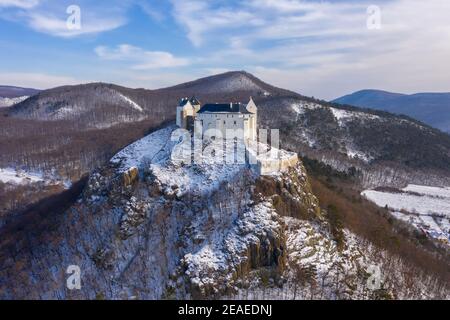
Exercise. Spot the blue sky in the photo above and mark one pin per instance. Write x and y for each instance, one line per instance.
(318, 48)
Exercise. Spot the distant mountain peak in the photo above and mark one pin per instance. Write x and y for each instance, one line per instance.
(232, 81)
(15, 92)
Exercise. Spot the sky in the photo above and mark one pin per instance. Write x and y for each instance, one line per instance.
(318, 48)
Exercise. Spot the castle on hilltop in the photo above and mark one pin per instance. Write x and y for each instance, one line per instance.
(236, 121)
(219, 116)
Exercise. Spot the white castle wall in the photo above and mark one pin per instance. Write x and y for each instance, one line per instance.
(226, 121)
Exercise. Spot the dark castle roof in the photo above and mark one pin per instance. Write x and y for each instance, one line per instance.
(224, 107)
(192, 100)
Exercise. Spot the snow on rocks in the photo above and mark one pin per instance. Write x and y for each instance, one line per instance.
(142, 151)
(217, 261)
(307, 245)
(157, 153)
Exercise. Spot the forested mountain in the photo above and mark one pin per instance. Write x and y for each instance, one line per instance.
(430, 108)
(377, 147)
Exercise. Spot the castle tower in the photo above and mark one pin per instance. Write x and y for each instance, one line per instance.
(186, 111)
(253, 121)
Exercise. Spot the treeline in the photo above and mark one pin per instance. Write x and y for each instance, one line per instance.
(60, 147)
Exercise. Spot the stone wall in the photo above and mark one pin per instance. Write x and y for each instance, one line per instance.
(268, 166)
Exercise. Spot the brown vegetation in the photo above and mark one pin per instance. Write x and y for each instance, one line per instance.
(376, 225)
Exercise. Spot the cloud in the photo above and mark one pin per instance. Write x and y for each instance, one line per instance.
(199, 18)
(58, 27)
(141, 58)
(51, 17)
(37, 80)
(324, 48)
(24, 4)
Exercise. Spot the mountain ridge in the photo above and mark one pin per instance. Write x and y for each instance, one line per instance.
(432, 108)
(14, 92)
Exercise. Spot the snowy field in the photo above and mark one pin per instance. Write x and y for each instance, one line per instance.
(426, 208)
(20, 177)
(13, 176)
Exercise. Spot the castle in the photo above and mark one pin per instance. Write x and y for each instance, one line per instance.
(239, 120)
(213, 117)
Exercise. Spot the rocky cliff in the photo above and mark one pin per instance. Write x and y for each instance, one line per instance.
(149, 227)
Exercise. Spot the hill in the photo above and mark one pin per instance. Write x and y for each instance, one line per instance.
(430, 108)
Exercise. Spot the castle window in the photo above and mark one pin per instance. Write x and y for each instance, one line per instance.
(235, 123)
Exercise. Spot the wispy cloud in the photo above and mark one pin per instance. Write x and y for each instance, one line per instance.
(200, 18)
(51, 17)
(140, 58)
(24, 4)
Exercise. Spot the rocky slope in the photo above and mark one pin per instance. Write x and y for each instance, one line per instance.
(148, 226)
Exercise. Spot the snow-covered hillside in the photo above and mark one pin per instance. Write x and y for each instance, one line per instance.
(341, 118)
(376, 148)
(234, 83)
(148, 227)
(426, 208)
(93, 105)
(8, 102)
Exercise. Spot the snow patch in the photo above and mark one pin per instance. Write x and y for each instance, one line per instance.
(300, 107)
(13, 176)
(345, 115)
(8, 102)
(133, 104)
(143, 150)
